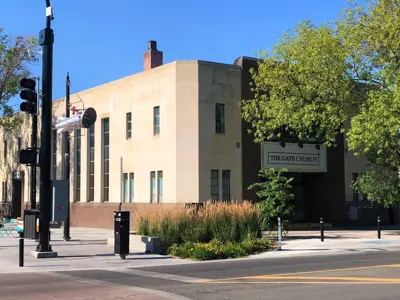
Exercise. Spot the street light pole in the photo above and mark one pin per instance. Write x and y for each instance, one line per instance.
(66, 137)
(46, 40)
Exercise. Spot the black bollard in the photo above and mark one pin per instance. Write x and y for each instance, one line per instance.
(379, 228)
(321, 221)
(21, 249)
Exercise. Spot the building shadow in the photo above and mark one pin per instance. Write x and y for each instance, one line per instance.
(116, 256)
(318, 237)
(286, 250)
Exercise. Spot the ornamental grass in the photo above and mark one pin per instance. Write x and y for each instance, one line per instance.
(233, 221)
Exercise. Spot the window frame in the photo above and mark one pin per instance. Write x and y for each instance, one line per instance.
(78, 165)
(226, 175)
(5, 149)
(160, 190)
(131, 187)
(128, 125)
(105, 161)
(214, 174)
(91, 148)
(125, 180)
(219, 118)
(153, 187)
(19, 145)
(156, 120)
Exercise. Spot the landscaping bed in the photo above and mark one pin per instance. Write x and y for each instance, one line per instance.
(213, 231)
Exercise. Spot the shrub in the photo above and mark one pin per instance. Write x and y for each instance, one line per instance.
(276, 198)
(177, 224)
(218, 250)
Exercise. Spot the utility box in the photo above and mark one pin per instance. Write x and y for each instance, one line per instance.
(60, 204)
(31, 224)
(121, 233)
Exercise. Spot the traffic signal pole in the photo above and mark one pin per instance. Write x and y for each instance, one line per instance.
(34, 146)
(33, 167)
(46, 40)
(66, 137)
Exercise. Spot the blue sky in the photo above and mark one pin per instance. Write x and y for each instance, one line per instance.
(98, 41)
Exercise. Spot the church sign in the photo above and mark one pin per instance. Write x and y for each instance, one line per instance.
(294, 158)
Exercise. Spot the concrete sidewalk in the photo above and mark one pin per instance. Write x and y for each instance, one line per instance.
(88, 250)
(306, 243)
(344, 234)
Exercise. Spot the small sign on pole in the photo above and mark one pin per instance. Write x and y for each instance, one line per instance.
(279, 235)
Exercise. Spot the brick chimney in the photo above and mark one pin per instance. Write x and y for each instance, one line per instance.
(152, 57)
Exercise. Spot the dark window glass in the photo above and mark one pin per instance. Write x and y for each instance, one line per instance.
(128, 125)
(219, 118)
(106, 158)
(78, 165)
(226, 185)
(91, 150)
(214, 178)
(156, 120)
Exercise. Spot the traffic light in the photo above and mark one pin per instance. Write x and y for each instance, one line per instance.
(29, 95)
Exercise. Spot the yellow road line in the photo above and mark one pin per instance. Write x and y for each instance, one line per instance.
(308, 272)
(301, 282)
(365, 279)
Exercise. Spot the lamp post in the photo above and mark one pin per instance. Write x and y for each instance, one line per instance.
(46, 40)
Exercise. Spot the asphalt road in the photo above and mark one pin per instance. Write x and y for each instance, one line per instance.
(358, 276)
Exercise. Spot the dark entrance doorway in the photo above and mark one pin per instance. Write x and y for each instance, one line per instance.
(17, 193)
(300, 205)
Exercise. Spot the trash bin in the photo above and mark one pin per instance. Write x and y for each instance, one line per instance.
(121, 233)
(31, 224)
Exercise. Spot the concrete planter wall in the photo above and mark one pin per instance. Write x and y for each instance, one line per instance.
(141, 243)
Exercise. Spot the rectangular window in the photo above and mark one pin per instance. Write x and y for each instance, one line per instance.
(19, 144)
(226, 185)
(5, 149)
(131, 187)
(77, 141)
(91, 141)
(128, 125)
(153, 189)
(156, 120)
(215, 185)
(106, 158)
(219, 118)
(354, 177)
(160, 186)
(54, 156)
(3, 191)
(126, 189)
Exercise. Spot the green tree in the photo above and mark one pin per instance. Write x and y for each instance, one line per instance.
(319, 77)
(380, 184)
(16, 55)
(275, 194)
(303, 86)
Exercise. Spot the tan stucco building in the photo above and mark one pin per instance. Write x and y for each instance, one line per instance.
(173, 134)
(160, 136)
